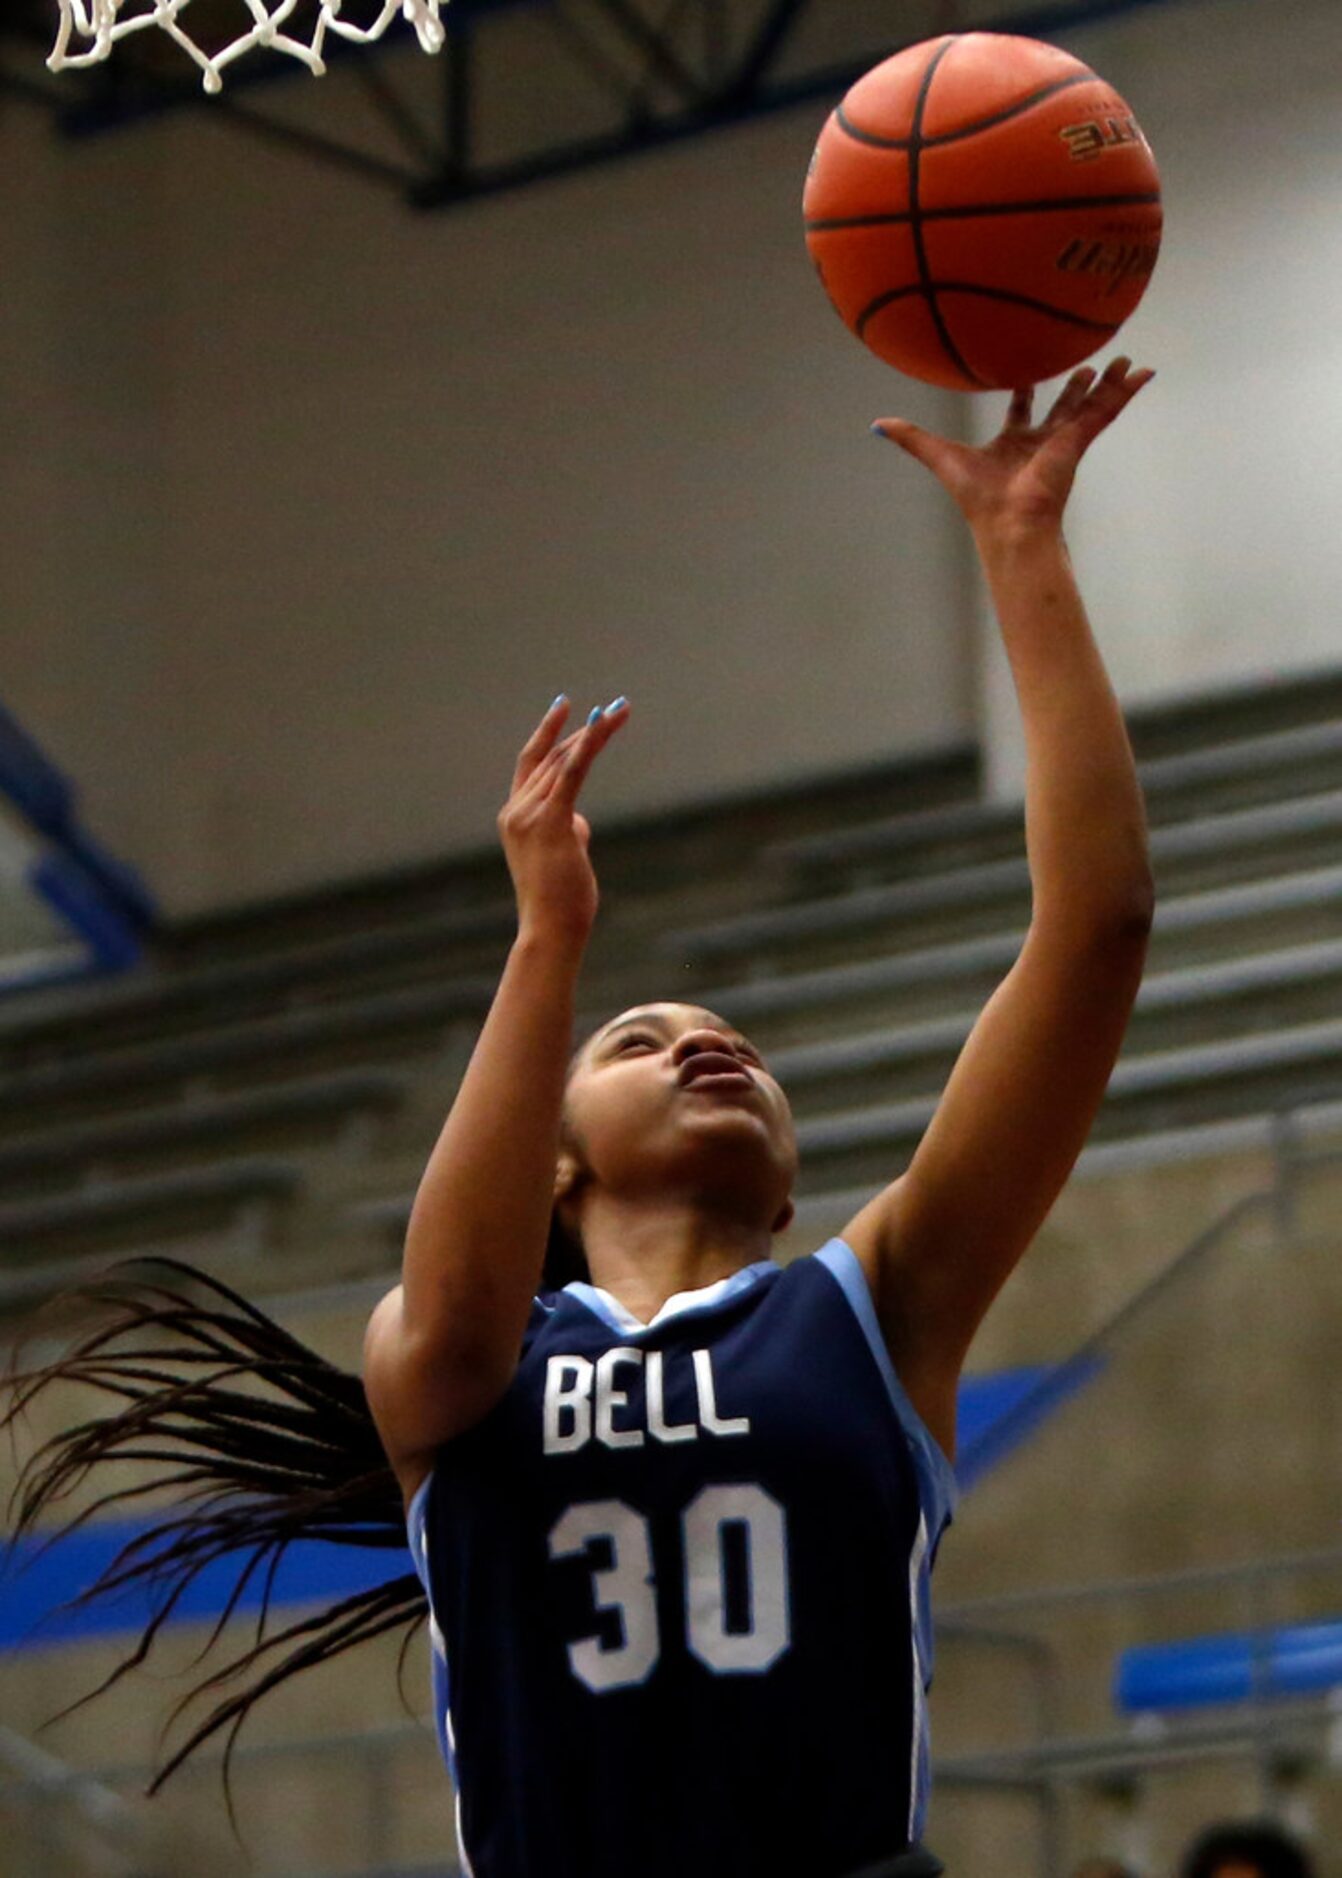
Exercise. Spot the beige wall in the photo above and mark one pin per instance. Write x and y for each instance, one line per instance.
(312, 503)
(1205, 530)
(84, 631)
(364, 488)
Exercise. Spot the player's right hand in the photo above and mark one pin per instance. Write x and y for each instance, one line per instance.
(544, 839)
(1025, 474)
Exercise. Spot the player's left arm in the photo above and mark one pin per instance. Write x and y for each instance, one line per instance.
(938, 1245)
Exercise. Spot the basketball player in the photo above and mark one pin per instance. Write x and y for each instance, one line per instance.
(676, 1515)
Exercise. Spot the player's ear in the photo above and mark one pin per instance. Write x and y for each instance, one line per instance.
(570, 1169)
(785, 1218)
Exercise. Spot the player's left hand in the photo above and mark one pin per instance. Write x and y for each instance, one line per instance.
(1025, 474)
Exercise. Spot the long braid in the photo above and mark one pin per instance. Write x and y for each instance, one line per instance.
(257, 1471)
(303, 1461)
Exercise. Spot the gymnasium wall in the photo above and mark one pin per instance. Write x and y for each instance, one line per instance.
(383, 483)
(314, 502)
(1206, 529)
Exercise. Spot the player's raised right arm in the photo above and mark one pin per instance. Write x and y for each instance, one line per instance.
(442, 1347)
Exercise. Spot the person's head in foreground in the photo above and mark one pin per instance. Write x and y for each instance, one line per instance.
(677, 1142)
(1256, 1849)
(1103, 1868)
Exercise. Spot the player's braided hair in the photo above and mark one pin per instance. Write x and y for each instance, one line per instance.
(565, 1259)
(297, 1458)
(301, 1459)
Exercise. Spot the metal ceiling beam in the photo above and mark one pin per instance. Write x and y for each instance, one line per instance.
(654, 43)
(764, 50)
(746, 94)
(687, 85)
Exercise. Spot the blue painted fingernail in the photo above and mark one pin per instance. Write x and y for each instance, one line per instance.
(618, 704)
(561, 699)
(596, 712)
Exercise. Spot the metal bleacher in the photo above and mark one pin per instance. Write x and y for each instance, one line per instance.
(1252, 844)
(1257, 769)
(858, 950)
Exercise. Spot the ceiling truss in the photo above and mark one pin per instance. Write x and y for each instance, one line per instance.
(629, 76)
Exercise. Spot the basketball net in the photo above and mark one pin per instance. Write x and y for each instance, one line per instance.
(95, 26)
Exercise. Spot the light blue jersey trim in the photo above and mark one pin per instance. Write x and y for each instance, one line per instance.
(938, 1495)
(440, 1681)
(609, 1309)
(416, 1519)
(934, 1470)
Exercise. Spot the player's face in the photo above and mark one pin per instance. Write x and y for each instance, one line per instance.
(668, 1101)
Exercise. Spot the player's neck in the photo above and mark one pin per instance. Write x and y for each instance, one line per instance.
(643, 1257)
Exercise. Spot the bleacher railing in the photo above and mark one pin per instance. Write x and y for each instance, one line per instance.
(1232, 1347)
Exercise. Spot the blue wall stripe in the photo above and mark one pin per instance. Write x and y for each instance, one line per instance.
(119, 880)
(104, 902)
(65, 886)
(31, 780)
(39, 1572)
(35, 1581)
(1001, 1411)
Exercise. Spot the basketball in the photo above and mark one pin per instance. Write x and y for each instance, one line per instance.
(983, 210)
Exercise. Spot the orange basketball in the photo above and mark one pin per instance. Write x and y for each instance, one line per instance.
(983, 210)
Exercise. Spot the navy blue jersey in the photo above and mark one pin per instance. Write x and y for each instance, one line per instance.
(678, 1581)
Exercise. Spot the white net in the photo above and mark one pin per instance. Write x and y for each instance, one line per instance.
(90, 28)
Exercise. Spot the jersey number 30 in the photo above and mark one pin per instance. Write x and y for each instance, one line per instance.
(750, 1636)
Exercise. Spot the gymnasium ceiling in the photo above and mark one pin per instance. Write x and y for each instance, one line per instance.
(523, 89)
